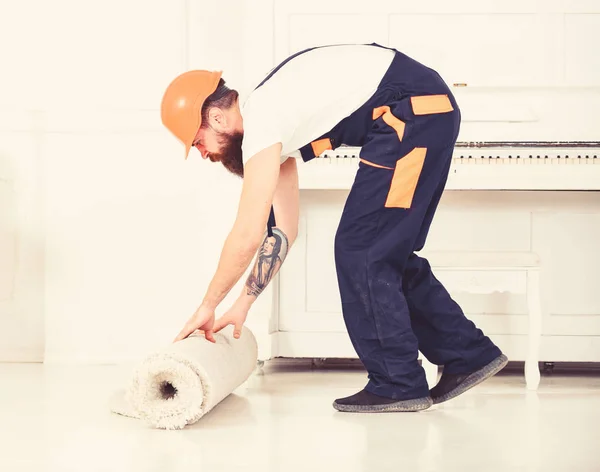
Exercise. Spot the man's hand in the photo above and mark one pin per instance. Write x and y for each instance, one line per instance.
(235, 316)
(203, 319)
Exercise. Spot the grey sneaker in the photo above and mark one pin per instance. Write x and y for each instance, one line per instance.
(366, 402)
(452, 385)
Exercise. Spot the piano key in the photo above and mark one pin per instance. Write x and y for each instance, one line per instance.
(543, 170)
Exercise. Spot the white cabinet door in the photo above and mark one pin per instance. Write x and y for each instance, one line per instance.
(582, 67)
(309, 296)
(567, 241)
(499, 50)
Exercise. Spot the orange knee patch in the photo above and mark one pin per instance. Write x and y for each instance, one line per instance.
(404, 181)
(390, 120)
(430, 104)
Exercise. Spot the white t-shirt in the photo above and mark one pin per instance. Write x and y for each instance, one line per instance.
(311, 94)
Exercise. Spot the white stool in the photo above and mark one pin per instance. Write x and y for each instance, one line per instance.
(499, 261)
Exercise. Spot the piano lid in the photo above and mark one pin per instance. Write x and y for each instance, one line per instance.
(528, 144)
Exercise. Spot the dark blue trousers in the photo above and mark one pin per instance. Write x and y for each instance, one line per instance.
(392, 303)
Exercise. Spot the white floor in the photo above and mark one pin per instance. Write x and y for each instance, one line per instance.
(56, 419)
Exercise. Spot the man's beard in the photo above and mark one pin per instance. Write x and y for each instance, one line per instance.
(230, 154)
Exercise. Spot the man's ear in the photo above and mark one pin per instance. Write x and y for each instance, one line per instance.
(216, 118)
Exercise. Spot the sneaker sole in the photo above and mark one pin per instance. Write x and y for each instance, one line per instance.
(474, 379)
(417, 404)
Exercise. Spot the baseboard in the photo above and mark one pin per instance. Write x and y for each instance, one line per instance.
(570, 349)
(70, 359)
(337, 345)
(312, 344)
(21, 354)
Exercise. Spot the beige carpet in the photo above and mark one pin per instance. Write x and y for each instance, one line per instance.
(179, 384)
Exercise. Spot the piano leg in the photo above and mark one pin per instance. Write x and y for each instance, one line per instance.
(532, 370)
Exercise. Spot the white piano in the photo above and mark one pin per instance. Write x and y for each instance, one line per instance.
(481, 166)
(541, 198)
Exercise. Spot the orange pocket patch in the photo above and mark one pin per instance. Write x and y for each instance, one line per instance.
(430, 104)
(404, 181)
(390, 120)
(320, 146)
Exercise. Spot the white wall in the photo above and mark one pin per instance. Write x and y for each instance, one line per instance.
(129, 238)
(21, 238)
(108, 238)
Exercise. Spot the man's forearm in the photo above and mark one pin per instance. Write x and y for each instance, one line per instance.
(271, 255)
(235, 259)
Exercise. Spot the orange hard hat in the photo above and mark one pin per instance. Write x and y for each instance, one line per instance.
(182, 103)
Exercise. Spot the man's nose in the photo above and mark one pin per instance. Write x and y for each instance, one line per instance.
(202, 150)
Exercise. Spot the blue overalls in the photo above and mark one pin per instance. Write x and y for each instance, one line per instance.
(392, 303)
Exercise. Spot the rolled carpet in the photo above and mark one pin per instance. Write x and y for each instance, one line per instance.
(179, 384)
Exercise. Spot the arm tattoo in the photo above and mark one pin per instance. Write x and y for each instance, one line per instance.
(271, 255)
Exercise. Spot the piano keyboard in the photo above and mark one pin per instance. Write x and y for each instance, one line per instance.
(523, 168)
